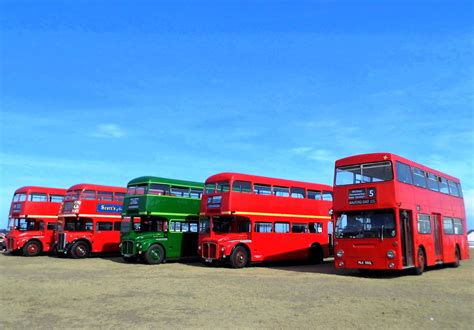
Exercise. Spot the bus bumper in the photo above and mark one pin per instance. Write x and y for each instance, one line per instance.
(367, 263)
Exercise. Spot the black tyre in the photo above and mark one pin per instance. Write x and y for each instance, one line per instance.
(457, 260)
(316, 255)
(421, 259)
(239, 257)
(32, 249)
(80, 250)
(130, 259)
(155, 255)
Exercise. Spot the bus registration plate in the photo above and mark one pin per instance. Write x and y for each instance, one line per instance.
(208, 260)
(364, 262)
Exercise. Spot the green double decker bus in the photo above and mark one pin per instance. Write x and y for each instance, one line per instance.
(160, 219)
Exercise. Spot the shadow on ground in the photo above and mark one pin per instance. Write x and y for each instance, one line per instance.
(327, 267)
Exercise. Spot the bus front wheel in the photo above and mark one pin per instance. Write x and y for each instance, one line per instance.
(80, 250)
(154, 255)
(239, 257)
(421, 259)
(32, 249)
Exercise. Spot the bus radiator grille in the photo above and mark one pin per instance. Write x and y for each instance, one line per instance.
(61, 241)
(209, 250)
(127, 247)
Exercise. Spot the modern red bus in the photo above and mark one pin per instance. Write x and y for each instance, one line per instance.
(392, 213)
(32, 219)
(89, 220)
(248, 218)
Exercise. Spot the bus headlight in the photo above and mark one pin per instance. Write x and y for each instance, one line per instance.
(339, 253)
(222, 249)
(341, 263)
(390, 254)
(199, 248)
(391, 265)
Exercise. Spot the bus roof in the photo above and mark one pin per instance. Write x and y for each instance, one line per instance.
(47, 190)
(266, 180)
(155, 179)
(81, 186)
(385, 156)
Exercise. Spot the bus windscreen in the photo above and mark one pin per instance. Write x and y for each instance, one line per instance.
(376, 224)
(364, 173)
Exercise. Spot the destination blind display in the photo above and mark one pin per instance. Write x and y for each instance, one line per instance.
(214, 202)
(133, 203)
(362, 196)
(109, 208)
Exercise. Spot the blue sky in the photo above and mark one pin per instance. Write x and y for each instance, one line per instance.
(105, 91)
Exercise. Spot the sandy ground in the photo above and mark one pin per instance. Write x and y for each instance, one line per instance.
(46, 292)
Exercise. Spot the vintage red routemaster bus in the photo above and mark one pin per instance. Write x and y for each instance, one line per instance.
(249, 218)
(32, 220)
(89, 220)
(392, 213)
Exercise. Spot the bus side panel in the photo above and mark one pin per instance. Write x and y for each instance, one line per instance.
(106, 240)
(287, 246)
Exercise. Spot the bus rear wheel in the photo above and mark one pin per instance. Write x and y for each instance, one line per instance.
(154, 255)
(31, 249)
(239, 257)
(457, 260)
(316, 255)
(80, 250)
(421, 259)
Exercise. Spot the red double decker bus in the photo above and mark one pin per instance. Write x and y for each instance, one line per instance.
(392, 213)
(249, 218)
(32, 220)
(89, 220)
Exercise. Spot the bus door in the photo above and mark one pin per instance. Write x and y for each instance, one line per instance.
(182, 238)
(189, 239)
(331, 237)
(437, 236)
(407, 237)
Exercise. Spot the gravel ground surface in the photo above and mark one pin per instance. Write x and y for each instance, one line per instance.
(46, 292)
